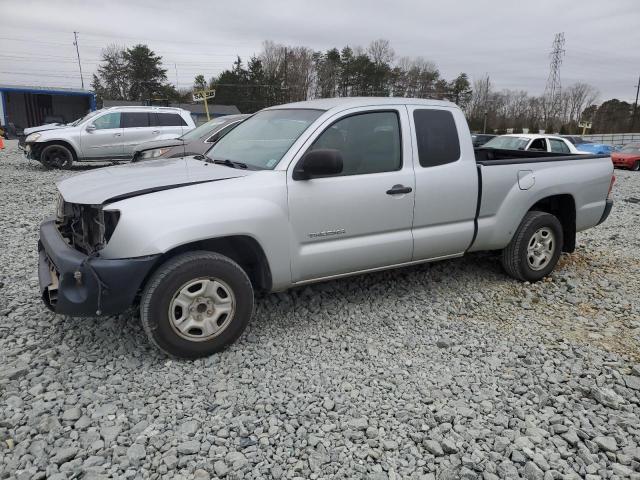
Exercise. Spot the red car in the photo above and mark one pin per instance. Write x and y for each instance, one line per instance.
(627, 157)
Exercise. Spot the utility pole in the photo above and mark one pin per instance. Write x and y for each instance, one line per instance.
(635, 106)
(75, 42)
(486, 106)
(286, 87)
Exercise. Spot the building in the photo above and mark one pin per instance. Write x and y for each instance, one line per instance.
(24, 106)
(197, 110)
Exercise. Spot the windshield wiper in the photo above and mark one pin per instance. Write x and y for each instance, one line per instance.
(231, 163)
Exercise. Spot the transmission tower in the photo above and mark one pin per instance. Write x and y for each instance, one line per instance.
(554, 88)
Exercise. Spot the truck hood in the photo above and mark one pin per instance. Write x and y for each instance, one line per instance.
(42, 128)
(110, 184)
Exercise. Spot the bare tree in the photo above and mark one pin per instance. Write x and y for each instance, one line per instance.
(578, 97)
(380, 52)
(272, 58)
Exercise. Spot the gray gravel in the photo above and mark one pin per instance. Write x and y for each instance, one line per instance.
(449, 370)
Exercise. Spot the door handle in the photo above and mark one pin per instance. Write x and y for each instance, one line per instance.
(399, 189)
(117, 134)
(156, 131)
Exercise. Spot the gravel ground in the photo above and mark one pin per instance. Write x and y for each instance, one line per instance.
(449, 370)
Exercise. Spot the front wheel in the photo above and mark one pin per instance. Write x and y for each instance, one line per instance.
(535, 248)
(196, 304)
(56, 156)
(636, 166)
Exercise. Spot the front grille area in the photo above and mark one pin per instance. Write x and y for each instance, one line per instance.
(87, 228)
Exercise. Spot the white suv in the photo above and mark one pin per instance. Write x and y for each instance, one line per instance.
(107, 134)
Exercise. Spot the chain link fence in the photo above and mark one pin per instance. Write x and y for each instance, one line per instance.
(614, 138)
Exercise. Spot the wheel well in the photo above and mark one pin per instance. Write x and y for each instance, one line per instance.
(564, 208)
(38, 147)
(242, 249)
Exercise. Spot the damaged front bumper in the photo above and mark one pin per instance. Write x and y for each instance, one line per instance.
(76, 284)
(27, 150)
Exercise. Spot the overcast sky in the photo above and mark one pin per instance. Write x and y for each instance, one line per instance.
(508, 39)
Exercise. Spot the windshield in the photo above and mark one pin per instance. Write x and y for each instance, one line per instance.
(209, 128)
(507, 143)
(633, 148)
(262, 140)
(86, 117)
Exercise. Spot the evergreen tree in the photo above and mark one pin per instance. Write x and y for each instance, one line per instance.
(145, 73)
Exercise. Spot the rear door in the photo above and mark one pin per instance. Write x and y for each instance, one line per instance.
(446, 182)
(559, 146)
(136, 128)
(105, 141)
(168, 125)
(354, 221)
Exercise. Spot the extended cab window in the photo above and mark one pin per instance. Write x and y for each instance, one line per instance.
(558, 146)
(167, 120)
(368, 142)
(135, 119)
(437, 137)
(110, 120)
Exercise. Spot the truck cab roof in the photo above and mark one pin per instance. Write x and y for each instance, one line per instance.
(349, 102)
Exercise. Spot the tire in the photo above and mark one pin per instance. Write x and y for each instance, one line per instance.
(535, 248)
(636, 166)
(56, 155)
(196, 304)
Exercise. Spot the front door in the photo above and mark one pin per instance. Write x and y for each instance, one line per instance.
(538, 145)
(360, 219)
(103, 141)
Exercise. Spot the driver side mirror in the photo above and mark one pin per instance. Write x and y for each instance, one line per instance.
(318, 163)
(90, 128)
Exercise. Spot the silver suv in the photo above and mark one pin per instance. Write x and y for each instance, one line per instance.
(107, 134)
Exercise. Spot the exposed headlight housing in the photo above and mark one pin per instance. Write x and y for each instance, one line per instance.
(32, 138)
(87, 228)
(155, 153)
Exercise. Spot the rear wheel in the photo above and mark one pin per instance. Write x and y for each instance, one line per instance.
(636, 166)
(196, 304)
(535, 248)
(56, 155)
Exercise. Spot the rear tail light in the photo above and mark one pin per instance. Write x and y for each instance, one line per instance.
(613, 180)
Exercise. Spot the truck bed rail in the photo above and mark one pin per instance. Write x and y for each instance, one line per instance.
(494, 156)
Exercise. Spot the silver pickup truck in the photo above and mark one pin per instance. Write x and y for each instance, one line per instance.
(302, 193)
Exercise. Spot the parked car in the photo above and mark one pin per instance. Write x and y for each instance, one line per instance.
(479, 139)
(588, 146)
(107, 134)
(302, 193)
(627, 157)
(195, 142)
(533, 142)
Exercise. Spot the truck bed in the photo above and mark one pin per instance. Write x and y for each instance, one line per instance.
(512, 181)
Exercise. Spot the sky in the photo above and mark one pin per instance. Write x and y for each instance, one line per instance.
(509, 40)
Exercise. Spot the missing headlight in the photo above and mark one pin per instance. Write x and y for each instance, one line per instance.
(87, 228)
